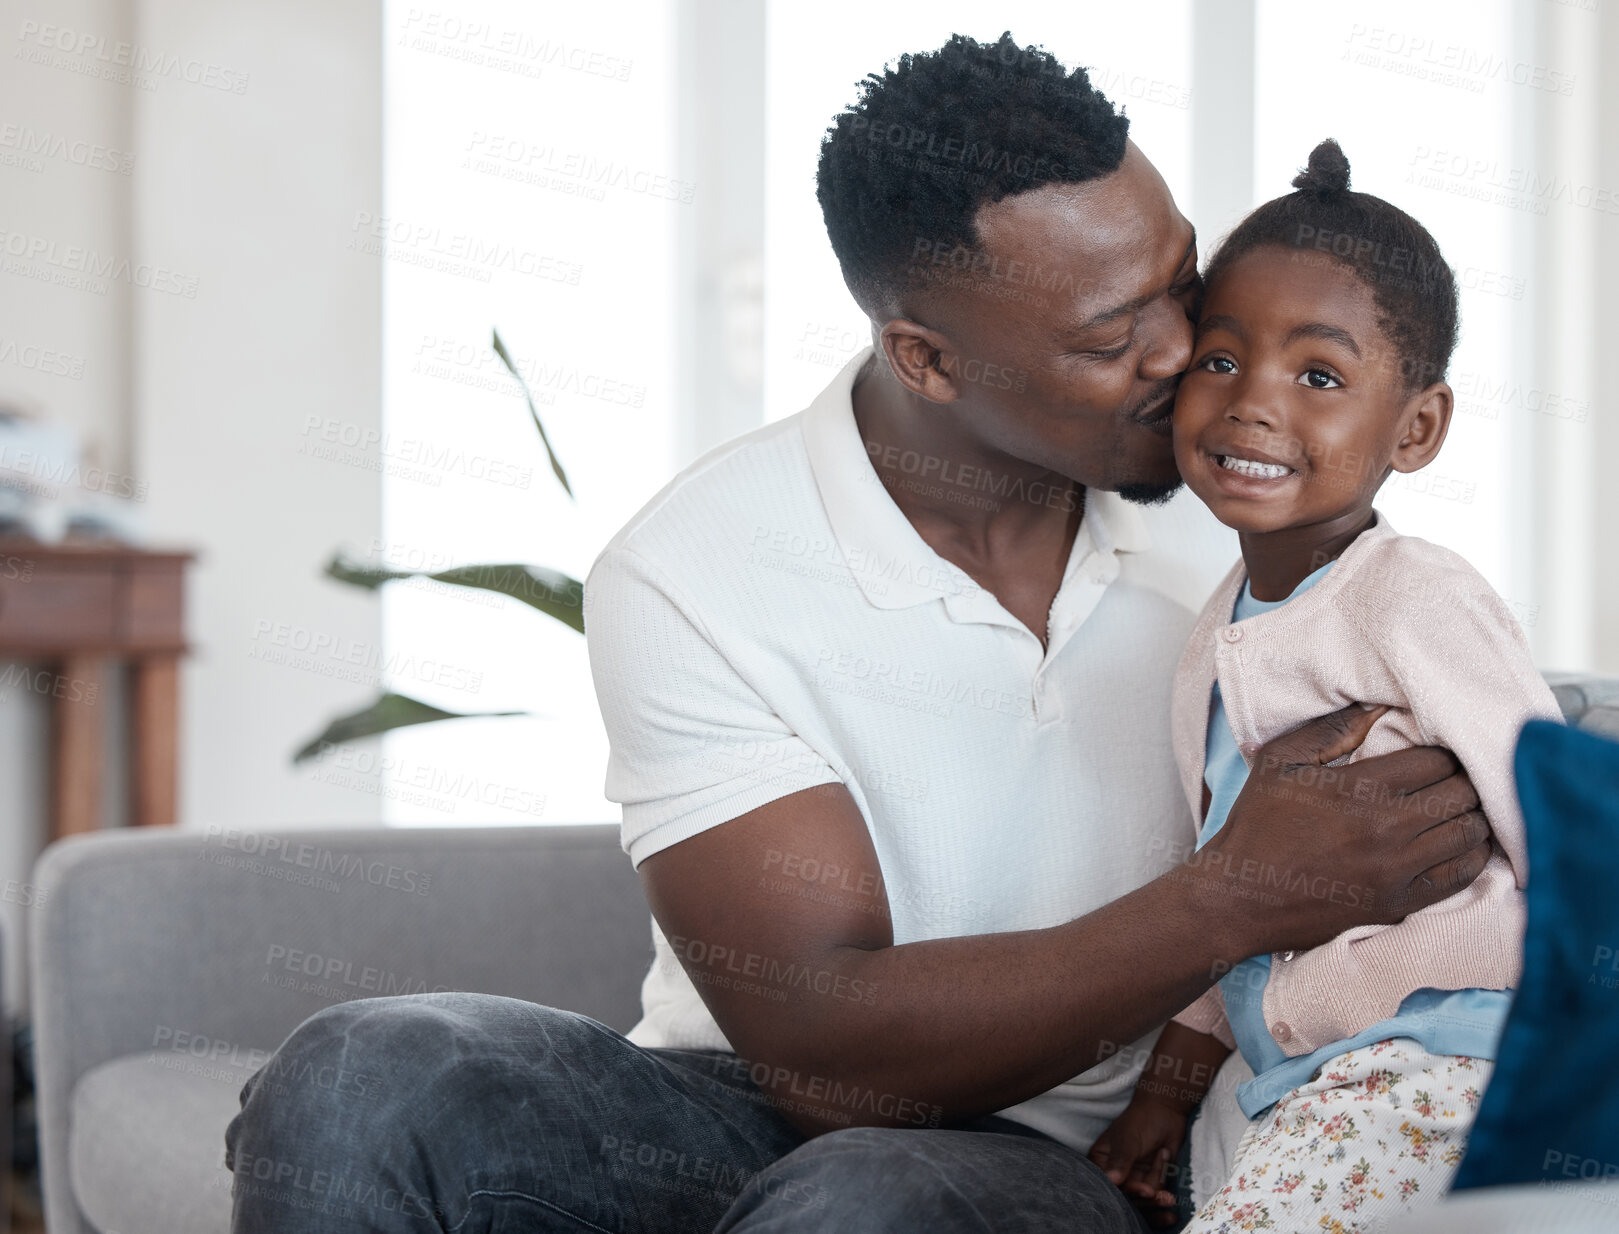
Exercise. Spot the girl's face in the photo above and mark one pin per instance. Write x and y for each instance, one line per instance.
(1293, 411)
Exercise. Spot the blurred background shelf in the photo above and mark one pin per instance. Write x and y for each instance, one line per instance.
(72, 610)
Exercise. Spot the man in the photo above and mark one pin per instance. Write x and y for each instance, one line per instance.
(887, 685)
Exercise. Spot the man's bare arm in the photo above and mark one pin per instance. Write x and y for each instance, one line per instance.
(844, 1028)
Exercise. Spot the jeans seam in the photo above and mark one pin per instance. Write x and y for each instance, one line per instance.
(557, 1208)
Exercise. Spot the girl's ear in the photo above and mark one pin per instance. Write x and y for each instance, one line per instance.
(1427, 419)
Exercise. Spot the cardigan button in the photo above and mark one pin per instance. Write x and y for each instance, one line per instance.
(1281, 1030)
(1233, 634)
(1288, 955)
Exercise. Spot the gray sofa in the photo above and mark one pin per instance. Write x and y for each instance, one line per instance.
(166, 966)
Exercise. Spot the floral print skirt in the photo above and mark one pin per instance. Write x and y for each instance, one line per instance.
(1376, 1133)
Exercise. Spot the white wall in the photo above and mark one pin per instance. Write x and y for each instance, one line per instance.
(1605, 328)
(55, 198)
(1574, 260)
(250, 198)
(255, 194)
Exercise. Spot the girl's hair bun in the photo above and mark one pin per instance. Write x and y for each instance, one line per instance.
(1327, 172)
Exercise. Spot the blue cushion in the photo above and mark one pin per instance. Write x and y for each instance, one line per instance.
(1551, 1112)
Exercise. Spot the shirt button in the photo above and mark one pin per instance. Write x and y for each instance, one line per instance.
(1232, 634)
(1287, 955)
(1281, 1030)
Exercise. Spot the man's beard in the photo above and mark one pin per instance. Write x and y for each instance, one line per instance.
(1149, 494)
(1154, 404)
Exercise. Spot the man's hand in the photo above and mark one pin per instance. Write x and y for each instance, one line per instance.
(780, 917)
(1135, 1153)
(1310, 851)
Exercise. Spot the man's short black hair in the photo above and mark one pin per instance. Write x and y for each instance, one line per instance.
(906, 168)
(1388, 250)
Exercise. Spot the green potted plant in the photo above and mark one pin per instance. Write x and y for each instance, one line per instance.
(548, 591)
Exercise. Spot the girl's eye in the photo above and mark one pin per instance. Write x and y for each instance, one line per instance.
(1320, 379)
(1224, 365)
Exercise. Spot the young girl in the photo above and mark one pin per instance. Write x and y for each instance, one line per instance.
(1317, 369)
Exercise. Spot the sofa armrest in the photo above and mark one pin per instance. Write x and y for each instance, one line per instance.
(217, 944)
(1589, 701)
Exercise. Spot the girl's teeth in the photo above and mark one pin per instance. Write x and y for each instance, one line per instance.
(1246, 467)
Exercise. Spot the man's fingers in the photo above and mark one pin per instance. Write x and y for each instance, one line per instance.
(1326, 737)
(1446, 879)
(1450, 798)
(1454, 840)
(1410, 770)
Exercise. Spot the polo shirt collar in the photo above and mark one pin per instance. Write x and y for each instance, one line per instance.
(893, 566)
(1116, 524)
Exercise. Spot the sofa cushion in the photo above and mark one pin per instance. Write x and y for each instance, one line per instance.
(1556, 1208)
(146, 1148)
(1551, 1111)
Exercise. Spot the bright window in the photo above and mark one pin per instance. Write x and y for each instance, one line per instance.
(530, 185)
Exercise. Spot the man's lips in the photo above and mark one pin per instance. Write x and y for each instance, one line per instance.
(1159, 416)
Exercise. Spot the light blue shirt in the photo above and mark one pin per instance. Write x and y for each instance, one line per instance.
(1441, 1021)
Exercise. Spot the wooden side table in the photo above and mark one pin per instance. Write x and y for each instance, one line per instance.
(75, 607)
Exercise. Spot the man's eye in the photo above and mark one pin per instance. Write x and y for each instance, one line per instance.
(1187, 286)
(1112, 353)
(1220, 364)
(1320, 379)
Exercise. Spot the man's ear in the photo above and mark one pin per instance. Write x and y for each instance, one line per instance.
(924, 360)
(1427, 420)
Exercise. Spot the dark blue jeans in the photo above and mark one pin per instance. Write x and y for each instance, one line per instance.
(468, 1113)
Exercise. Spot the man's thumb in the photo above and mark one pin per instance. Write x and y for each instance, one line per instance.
(1327, 737)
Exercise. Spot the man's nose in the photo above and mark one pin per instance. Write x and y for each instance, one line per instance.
(1169, 341)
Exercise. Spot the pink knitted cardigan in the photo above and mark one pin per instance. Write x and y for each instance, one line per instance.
(1401, 621)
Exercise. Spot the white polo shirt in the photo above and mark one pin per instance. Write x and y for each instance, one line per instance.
(771, 621)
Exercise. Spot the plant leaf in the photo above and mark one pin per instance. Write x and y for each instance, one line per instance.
(550, 591)
(390, 711)
(556, 465)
